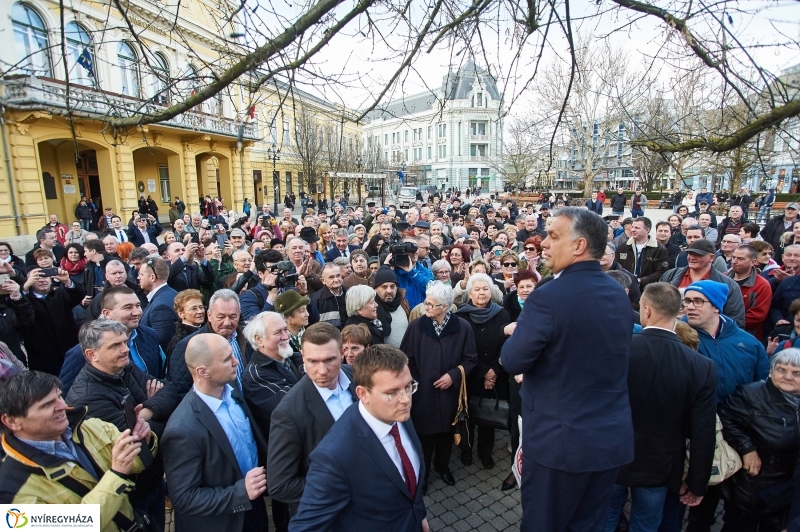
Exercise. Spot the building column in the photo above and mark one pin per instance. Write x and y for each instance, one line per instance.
(190, 178)
(127, 195)
(28, 182)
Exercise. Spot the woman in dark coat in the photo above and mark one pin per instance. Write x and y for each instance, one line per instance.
(16, 312)
(189, 307)
(362, 308)
(759, 421)
(436, 344)
(488, 321)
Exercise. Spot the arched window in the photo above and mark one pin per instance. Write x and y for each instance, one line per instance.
(30, 41)
(160, 78)
(78, 40)
(128, 69)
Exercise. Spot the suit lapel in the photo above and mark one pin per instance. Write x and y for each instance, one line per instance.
(209, 421)
(316, 405)
(375, 450)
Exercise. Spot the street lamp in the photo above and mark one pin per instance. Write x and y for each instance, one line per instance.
(360, 169)
(274, 153)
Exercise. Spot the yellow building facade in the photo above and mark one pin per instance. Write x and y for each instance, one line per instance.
(49, 162)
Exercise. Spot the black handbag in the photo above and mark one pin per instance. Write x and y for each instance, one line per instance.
(489, 412)
(460, 425)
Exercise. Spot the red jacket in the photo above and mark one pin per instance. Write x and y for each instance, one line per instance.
(757, 295)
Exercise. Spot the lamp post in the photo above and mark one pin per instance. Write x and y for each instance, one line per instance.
(274, 153)
(360, 169)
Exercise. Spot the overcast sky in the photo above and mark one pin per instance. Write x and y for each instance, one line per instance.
(363, 68)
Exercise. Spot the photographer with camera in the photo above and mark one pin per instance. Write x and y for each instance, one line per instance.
(277, 276)
(144, 232)
(189, 267)
(411, 276)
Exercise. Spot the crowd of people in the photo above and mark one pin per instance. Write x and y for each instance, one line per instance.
(229, 357)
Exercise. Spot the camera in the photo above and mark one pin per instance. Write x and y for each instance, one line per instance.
(402, 248)
(400, 251)
(286, 274)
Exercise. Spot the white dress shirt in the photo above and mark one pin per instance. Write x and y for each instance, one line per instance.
(339, 399)
(152, 293)
(381, 430)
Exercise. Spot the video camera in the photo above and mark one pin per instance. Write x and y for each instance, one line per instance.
(286, 274)
(400, 251)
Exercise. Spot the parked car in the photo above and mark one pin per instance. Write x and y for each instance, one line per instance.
(407, 196)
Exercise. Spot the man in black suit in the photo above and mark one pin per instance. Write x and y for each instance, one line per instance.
(142, 233)
(189, 267)
(46, 239)
(577, 430)
(160, 312)
(672, 391)
(272, 371)
(212, 449)
(308, 412)
(341, 249)
(365, 473)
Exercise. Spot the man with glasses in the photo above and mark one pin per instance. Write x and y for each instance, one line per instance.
(727, 246)
(732, 224)
(700, 255)
(308, 412)
(347, 482)
(755, 289)
(159, 313)
(778, 225)
(46, 239)
(738, 356)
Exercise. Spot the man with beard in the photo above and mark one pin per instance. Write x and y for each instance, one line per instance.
(393, 308)
(273, 369)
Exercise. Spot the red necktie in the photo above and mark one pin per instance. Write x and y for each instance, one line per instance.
(408, 469)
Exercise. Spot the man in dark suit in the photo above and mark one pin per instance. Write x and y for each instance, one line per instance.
(223, 319)
(578, 430)
(159, 314)
(341, 249)
(213, 452)
(143, 233)
(189, 267)
(46, 239)
(672, 392)
(308, 412)
(365, 473)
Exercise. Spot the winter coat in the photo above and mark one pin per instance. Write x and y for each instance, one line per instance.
(740, 358)
(14, 315)
(785, 292)
(757, 296)
(83, 212)
(31, 476)
(375, 331)
(757, 417)
(734, 305)
(54, 330)
(431, 356)
(654, 260)
(489, 339)
(332, 309)
(618, 202)
(182, 330)
(146, 342)
(773, 231)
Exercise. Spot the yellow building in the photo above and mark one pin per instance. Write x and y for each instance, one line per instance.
(49, 162)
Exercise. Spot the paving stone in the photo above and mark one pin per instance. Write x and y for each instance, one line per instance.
(487, 514)
(449, 518)
(437, 508)
(461, 511)
(460, 526)
(474, 520)
(487, 527)
(450, 503)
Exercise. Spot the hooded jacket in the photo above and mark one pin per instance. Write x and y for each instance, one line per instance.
(734, 306)
(739, 357)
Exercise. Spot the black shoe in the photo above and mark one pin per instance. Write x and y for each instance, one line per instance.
(466, 459)
(488, 462)
(448, 478)
(509, 483)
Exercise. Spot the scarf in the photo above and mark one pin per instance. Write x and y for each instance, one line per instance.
(385, 310)
(480, 315)
(73, 268)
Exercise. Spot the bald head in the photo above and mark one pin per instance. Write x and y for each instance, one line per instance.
(200, 350)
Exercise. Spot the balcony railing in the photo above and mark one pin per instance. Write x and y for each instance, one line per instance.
(49, 94)
(478, 137)
(478, 159)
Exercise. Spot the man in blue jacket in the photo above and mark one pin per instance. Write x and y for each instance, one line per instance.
(578, 429)
(594, 204)
(739, 357)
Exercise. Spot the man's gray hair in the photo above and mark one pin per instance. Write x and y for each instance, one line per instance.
(223, 295)
(479, 278)
(342, 232)
(111, 238)
(588, 225)
(790, 356)
(257, 327)
(91, 334)
(442, 293)
(358, 296)
(440, 264)
(114, 262)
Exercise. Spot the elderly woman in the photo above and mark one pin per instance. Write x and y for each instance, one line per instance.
(77, 235)
(460, 295)
(489, 322)
(359, 261)
(294, 308)
(531, 257)
(191, 313)
(355, 340)
(124, 250)
(441, 271)
(436, 345)
(759, 420)
(509, 264)
(362, 308)
(524, 281)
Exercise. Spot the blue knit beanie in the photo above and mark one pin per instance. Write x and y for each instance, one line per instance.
(717, 293)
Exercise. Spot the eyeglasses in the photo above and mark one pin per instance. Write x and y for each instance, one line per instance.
(697, 302)
(509, 264)
(434, 305)
(409, 390)
(530, 249)
(149, 263)
(195, 308)
(783, 372)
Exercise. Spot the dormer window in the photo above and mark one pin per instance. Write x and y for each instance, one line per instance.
(480, 99)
